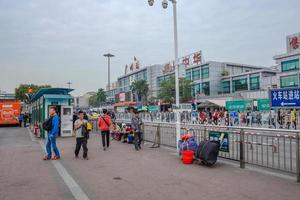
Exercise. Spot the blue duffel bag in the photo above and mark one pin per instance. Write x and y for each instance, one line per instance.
(189, 144)
(130, 139)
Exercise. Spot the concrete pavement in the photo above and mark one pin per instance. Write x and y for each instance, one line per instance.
(123, 173)
(23, 174)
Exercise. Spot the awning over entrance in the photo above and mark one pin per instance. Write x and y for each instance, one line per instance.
(213, 103)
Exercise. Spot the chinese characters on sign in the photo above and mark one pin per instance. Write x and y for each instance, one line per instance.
(168, 68)
(285, 97)
(192, 59)
(135, 65)
(239, 105)
(293, 42)
(197, 58)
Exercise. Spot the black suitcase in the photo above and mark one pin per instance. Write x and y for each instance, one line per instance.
(207, 152)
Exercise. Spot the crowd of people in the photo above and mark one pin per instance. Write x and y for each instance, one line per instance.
(253, 118)
(82, 126)
(132, 132)
(129, 133)
(284, 119)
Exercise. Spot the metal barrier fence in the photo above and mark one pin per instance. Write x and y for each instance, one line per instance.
(269, 148)
(185, 117)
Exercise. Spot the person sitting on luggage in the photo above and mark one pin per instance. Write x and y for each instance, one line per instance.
(115, 131)
(124, 131)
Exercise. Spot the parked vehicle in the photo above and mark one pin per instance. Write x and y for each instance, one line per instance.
(10, 110)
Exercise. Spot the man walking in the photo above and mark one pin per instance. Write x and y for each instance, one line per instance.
(104, 125)
(52, 134)
(81, 131)
(136, 123)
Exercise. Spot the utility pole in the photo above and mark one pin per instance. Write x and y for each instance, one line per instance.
(108, 55)
(69, 83)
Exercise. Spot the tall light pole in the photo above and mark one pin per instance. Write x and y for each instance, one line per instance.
(108, 55)
(69, 84)
(176, 62)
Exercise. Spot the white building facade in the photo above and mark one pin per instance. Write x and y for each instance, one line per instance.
(289, 66)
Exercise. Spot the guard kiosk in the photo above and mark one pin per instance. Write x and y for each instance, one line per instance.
(47, 97)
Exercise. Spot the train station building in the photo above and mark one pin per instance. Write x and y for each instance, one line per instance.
(215, 79)
(289, 75)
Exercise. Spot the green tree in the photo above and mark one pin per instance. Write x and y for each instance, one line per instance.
(140, 88)
(167, 90)
(98, 99)
(185, 90)
(23, 89)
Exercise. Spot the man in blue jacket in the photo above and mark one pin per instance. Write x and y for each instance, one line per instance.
(52, 134)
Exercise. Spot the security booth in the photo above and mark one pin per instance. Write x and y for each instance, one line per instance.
(61, 99)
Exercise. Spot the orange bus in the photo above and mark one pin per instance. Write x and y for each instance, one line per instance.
(10, 110)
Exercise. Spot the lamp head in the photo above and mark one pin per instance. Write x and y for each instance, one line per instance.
(164, 4)
(150, 2)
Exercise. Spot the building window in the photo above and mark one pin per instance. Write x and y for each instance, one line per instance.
(226, 87)
(239, 85)
(205, 72)
(195, 89)
(196, 74)
(254, 83)
(289, 81)
(290, 65)
(188, 75)
(126, 81)
(205, 88)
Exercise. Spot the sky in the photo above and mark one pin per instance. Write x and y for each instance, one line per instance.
(57, 41)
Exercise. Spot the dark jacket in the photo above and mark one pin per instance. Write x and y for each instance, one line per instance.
(136, 123)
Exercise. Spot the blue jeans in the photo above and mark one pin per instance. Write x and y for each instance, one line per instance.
(51, 143)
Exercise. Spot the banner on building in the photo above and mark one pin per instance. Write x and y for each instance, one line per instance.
(122, 97)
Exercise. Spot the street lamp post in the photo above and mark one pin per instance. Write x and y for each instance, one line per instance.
(108, 55)
(176, 63)
(69, 84)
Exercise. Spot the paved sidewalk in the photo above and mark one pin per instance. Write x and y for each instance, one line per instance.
(23, 174)
(123, 173)
(154, 174)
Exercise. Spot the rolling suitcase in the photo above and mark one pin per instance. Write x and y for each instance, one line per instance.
(208, 152)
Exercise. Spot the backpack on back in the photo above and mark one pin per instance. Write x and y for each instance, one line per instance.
(47, 125)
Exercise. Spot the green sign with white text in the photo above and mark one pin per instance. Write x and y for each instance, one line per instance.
(240, 105)
(263, 104)
(153, 108)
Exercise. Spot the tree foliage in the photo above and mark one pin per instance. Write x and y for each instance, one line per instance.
(140, 88)
(167, 91)
(98, 99)
(23, 89)
(185, 90)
